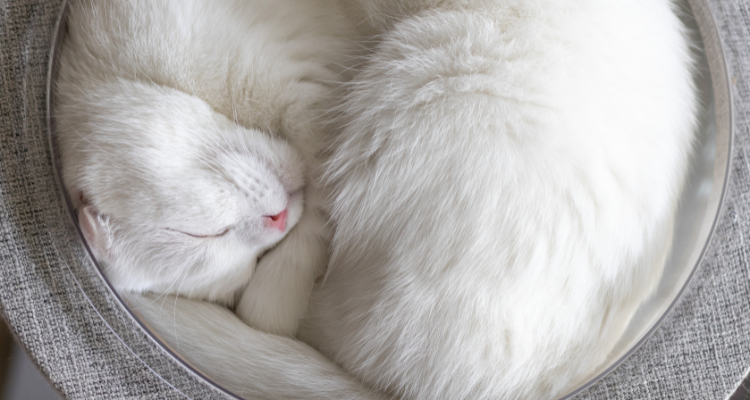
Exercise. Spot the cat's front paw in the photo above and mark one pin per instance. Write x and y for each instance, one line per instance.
(268, 303)
(279, 291)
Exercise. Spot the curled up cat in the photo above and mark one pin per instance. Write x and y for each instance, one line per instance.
(501, 179)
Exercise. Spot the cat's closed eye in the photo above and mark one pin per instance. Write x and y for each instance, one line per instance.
(203, 236)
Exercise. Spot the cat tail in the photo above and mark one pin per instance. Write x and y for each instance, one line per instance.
(247, 362)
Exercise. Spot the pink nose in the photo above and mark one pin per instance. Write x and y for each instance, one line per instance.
(277, 221)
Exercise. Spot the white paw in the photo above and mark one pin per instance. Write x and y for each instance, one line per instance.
(279, 291)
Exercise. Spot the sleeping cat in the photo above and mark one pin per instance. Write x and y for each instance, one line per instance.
(504, 183)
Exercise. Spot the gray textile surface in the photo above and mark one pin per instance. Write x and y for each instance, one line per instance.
(91, 348)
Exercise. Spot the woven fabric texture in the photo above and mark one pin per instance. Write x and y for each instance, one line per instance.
(89, 347)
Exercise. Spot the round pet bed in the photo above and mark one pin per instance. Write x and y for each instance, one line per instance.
(80, 336)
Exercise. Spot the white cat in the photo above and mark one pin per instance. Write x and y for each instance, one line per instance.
(504, 185)
(504, 190)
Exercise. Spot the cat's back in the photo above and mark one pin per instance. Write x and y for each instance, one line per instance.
(504, 192)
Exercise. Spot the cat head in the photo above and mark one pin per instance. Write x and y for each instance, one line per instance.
(174, 198)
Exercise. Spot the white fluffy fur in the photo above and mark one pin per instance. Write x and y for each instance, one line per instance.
(504, 184)
(250, 363)
(180, 119)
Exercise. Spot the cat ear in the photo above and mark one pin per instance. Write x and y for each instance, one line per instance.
(95, 231)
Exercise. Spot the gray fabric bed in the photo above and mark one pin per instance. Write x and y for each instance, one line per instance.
(79, 335)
